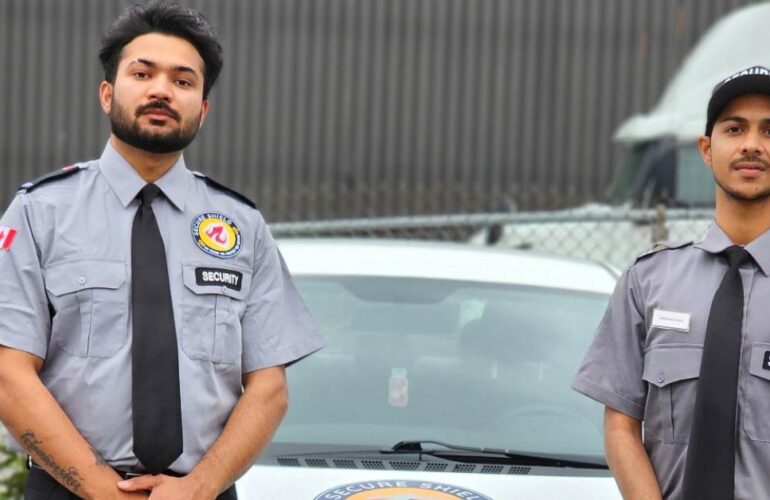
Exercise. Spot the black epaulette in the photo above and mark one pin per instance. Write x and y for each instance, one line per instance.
(235, 194)
(664, 245)
(62, 173)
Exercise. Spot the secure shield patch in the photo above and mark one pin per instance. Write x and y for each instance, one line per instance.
(398, 490)
(216, 234)
(7, 235)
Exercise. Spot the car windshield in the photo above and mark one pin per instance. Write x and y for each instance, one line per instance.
(472, 364)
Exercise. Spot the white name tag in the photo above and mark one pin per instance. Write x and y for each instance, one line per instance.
(671, 320)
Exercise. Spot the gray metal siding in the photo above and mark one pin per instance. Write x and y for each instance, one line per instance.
(344, 108)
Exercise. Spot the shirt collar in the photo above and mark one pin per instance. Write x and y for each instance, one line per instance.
(716, 241)
(126, 182)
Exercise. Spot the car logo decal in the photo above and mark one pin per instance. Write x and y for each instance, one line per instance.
(399, 490)
(216, 234)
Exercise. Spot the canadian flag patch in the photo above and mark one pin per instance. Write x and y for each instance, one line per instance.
(7, 235)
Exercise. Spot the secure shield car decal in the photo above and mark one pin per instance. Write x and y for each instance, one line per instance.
(399, 490)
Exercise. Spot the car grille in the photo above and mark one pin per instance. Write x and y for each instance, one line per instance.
(402, 465)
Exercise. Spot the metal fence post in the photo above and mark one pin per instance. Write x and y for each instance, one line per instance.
(659, 228)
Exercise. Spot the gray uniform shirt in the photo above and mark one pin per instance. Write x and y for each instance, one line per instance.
(645, 358)
(67, 286)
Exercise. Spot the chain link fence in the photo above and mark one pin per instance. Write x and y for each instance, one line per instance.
(614, 235)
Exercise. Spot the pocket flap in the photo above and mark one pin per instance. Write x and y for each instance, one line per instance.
(204, 279)
(760, 355)
(664, 365)
(69, 277)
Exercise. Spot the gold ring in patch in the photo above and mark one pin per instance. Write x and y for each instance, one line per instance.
(216, 234)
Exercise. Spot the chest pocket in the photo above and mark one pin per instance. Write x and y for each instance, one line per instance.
(671, 372)
(90, 299)
(212, 311)
(756, 397)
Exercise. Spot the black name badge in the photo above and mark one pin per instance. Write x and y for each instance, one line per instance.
(766, 361)
(212, 276)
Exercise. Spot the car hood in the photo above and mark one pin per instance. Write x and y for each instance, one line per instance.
(269, 482)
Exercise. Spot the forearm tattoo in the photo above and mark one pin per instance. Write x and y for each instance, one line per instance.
(100, 462)
(69, 477)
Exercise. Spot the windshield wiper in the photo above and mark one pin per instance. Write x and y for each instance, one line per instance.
(495, 455)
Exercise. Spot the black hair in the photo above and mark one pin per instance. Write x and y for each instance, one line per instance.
(160, 16)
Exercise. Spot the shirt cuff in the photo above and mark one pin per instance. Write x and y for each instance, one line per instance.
(605, 396)
(287, 356)
(24, 343)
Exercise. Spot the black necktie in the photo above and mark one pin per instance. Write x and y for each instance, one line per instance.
(710, 465)
(156, 405)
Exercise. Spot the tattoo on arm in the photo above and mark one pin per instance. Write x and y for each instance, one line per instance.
(101, 462)
(69, 477)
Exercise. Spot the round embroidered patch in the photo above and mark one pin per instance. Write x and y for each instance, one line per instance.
(216, 234)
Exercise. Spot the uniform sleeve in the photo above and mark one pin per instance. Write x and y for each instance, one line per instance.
(277, 327)
(25, 321)
(611, 372)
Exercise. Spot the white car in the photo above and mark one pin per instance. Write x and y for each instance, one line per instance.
(446, 376)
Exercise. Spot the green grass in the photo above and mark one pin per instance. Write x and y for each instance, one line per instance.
(13, 474)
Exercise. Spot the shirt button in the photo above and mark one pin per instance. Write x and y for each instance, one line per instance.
(82, 280)
(224, 289)
(661, 378)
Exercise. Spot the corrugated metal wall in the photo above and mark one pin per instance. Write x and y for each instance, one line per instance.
(339, 108)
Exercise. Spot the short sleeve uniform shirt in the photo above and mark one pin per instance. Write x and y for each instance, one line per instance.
(66, 266)
(645, 358)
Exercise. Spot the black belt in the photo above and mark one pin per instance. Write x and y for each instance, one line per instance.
(122, 473)
(229, 494)
(129, 474)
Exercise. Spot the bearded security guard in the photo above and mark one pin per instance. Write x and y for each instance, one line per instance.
(146, 315)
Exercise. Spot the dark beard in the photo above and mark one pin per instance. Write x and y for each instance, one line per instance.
(128, 131)
(753, 197)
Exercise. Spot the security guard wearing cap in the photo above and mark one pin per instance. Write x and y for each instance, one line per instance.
(683, 351)
(146, 316)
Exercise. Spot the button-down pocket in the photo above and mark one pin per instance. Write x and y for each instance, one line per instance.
(211, 326)
(756, 397)
(671, 372)
(90, 300)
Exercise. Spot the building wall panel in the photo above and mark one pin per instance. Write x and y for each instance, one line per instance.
(350, 108)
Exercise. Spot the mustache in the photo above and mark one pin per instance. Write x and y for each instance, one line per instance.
(750, 159)
(158, 105)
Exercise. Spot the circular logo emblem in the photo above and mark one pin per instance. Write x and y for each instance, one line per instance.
(216, 234)
(399, 490)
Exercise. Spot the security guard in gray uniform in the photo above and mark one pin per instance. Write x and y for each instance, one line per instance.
(146, 316)
(684, 348)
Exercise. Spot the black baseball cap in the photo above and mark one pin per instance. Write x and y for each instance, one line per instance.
(754, 80)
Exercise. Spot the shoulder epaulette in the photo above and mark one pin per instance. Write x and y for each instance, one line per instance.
(664, 245)
(235, 194)
(62, 173)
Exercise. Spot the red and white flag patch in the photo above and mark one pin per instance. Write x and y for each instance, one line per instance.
(7, 235)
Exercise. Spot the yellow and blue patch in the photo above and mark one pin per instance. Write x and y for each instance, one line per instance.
(216, 234)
